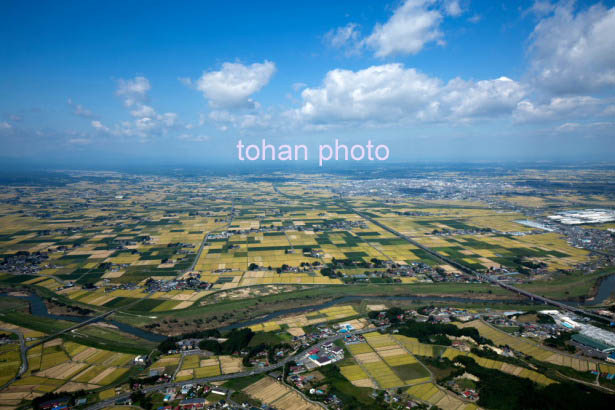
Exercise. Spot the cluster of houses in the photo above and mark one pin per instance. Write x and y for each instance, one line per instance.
(322, 331)
(23, 262)
(444, 314)
(193, 282)
(328, 353)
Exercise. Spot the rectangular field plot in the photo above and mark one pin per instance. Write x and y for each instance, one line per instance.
(332, 314)
(383, 375)
(10, 361)
(359, 348)
(417, 348)
(353, 372)
(196, 366)
(275, 394)
(411, 373)
(387, 363)
(61, 366)
(430, 393)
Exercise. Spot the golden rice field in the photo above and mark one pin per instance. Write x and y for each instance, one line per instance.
(332, 314)
(417, 348)
(432, 394)
(225, 260)
(353, 372)
(173, 300)
(10, 361)
(537, 351)
(277, 395)
(58, 366)
(197, 366)
(518, 371)
(386, 362)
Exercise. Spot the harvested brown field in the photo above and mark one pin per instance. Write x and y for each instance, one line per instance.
(368, 357)
(391, 351)
(293, 401)
(101, 375)
(63, 371)
(295, 331)
(84, 355)
(209, 362)
(274, 393)
(74, 386)
(231, 364)
(266, 390)
(51, 343)
(364, 383)
(14, 395)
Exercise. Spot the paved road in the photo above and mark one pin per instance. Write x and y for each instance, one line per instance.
(198, 255)
(485, 278)
(24, 356)
(267, 369)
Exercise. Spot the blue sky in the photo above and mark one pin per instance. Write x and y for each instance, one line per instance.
(178, 82)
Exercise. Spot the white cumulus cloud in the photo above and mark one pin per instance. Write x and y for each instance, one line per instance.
(234, 84)
(391, 93)
(414, 24)
(557, 108)
(482, 98)
(378, 92)
(574, 53)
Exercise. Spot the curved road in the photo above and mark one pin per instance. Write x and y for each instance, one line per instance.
(24, 356)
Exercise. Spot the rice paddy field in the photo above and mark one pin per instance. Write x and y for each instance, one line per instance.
(501, 366)
(383, 362)
(421, 349)
(417, 348)
(537, 351)
(434, 395)
(388, 361)
(10, 361)
(253, 233)
(498, 240)
(295, 323)
(132, 233)
(199, 366)
(64, 366)
(277, 395)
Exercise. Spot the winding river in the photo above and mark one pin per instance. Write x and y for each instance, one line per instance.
(38, 308)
